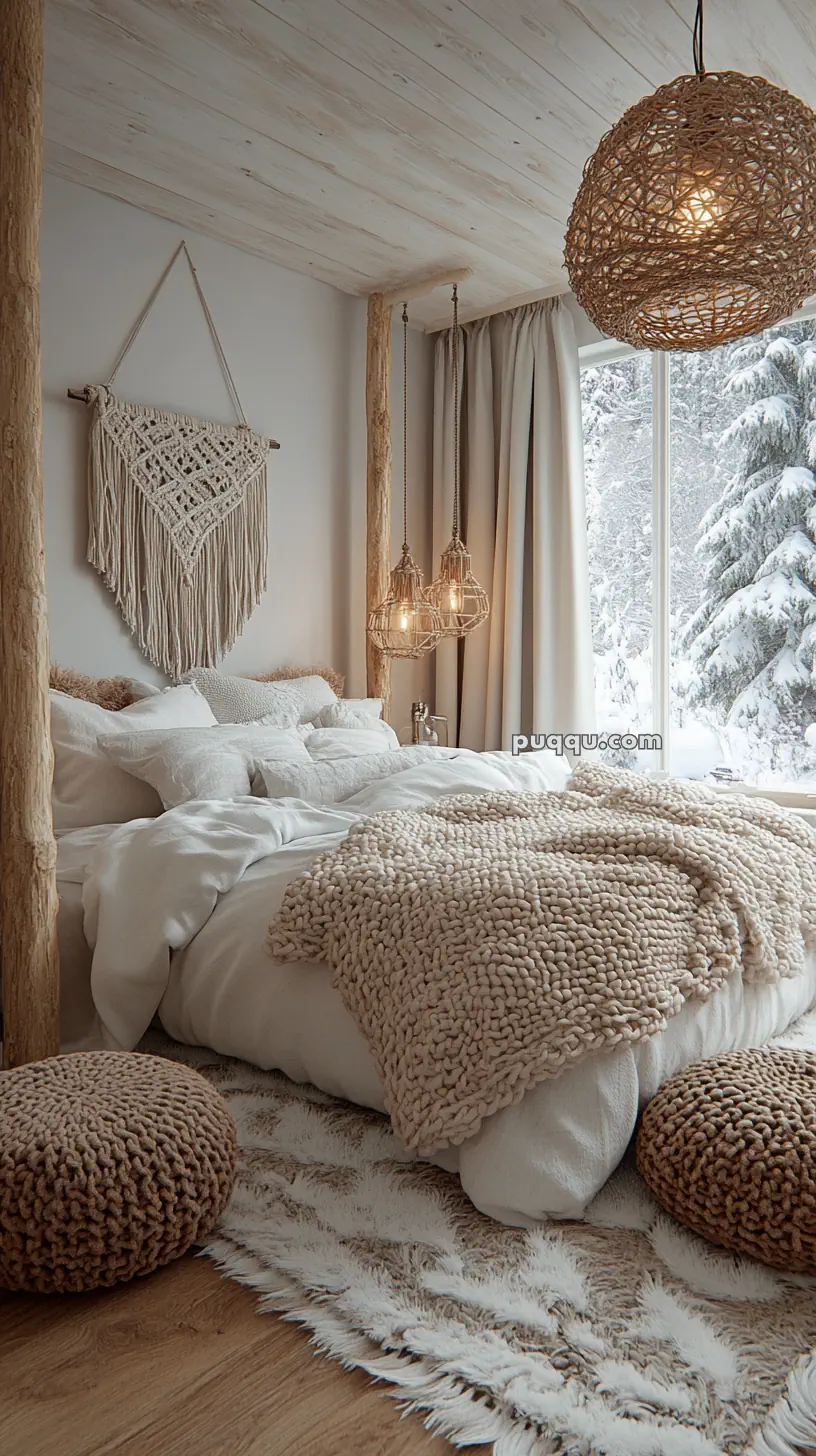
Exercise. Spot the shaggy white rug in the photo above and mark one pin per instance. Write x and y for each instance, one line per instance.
(622, 1335)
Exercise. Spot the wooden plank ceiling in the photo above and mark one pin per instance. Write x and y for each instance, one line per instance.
(365, 142)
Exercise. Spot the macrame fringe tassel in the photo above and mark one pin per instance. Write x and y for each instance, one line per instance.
(181, 618)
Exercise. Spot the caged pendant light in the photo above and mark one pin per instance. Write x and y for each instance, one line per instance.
(695, 222)
(461, 602)
(406, 623)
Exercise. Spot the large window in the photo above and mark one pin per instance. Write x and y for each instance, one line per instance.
(701, 498)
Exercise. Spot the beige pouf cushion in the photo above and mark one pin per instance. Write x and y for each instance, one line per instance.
(111, 1164)
(728, 1146)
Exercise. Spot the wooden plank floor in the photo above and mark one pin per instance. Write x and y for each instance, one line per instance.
(181, 1364)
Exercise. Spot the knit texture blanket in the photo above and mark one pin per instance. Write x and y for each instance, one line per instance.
(486, 942)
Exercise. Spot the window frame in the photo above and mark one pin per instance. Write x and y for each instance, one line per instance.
(609, 351)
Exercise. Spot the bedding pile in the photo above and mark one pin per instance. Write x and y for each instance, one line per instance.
(177, 910)
(488, 942)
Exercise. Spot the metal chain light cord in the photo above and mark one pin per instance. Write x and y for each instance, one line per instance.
(455, 340)
(405, 427)
(460, 600)
(405, 623)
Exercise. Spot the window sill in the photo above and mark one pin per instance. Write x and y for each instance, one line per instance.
(802, 803)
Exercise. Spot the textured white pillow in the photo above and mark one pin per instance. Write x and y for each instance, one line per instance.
(242, 700)
(332, 743)
(350, 713)
(331, 783)
(202, 763)
(88, 788)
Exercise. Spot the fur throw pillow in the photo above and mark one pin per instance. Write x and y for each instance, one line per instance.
(335, 679)
(112, 693)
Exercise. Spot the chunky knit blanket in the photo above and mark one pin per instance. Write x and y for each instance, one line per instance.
(486, 942)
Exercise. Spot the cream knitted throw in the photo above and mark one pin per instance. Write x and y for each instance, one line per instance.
(177, 527)
(486, 942)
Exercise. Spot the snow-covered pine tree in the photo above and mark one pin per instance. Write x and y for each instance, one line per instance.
(616, 401)
(617, 414)
(753, 638)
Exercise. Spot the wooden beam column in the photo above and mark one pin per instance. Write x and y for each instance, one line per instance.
(378, 485)
(28, 888)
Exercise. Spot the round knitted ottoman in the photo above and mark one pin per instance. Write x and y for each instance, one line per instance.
(111, 1164)
(728, 1146)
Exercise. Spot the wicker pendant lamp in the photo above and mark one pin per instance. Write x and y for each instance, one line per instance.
(695, 222)
(406, 623)
(461, 602)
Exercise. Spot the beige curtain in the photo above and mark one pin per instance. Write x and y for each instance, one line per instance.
(529, 668)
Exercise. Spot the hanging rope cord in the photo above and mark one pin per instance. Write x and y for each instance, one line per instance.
(455, 345)
(405, 427)
(222, 358)
(697, 40)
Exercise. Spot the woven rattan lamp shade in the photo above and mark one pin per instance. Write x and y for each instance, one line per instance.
(461, 603)
(406, 623)
(695, 222)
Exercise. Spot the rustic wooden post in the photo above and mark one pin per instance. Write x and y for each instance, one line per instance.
(28, 888)
(378, 485)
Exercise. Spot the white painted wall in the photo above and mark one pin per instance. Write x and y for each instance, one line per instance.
(297, 352)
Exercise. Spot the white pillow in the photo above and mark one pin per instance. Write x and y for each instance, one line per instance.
(242, 700)
(331, 743)
(349, 713)
(88, 788)
(331, 783)
(142, 689)
(202, 763)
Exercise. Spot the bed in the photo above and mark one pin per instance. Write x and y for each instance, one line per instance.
(549, 1155)
(177, 908)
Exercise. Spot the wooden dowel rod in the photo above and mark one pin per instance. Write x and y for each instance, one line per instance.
(28, 885)
(378, 485)
(420, 286)
(82, 394)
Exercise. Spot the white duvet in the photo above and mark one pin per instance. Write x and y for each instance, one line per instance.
(177, 911)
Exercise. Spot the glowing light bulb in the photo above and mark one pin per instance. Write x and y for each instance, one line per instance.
(701, 208)
(405, 618)
(455, 599)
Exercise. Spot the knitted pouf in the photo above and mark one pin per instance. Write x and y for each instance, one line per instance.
(111, 1164)
(728, 1146)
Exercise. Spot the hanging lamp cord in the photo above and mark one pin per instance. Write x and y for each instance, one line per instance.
(697, 40)
(405, 427)
(455, 346)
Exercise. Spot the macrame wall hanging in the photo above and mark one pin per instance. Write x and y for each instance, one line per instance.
(177, 515)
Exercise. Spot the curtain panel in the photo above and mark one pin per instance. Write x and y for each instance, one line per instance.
(529, 667)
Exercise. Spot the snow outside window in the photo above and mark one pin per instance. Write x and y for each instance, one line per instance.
(701, 470)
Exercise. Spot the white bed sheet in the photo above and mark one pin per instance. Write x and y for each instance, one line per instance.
(79, 1021)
